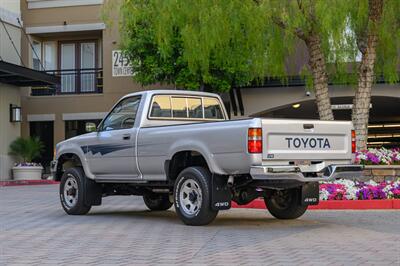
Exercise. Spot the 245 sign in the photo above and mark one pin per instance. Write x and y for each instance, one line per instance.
(121, 65)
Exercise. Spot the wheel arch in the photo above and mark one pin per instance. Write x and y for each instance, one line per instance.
(183, 159)
(68, 160)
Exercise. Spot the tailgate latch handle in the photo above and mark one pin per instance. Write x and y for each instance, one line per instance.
(308, 126)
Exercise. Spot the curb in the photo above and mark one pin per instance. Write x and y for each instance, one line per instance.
(388, 204)
(12, 183)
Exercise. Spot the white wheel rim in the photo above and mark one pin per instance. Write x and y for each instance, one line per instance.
(190, 197)
(70, 192)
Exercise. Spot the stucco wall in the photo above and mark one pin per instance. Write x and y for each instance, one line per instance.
(9, 11)
(11, 5)
(8, 131)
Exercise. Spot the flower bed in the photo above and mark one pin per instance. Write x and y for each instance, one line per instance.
(349, 190)
(380, 156)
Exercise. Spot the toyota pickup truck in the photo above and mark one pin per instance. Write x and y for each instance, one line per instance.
(179, 148)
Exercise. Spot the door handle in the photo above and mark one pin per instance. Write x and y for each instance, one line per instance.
(126, 136)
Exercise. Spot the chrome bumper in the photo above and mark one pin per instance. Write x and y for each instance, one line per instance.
(292, 172)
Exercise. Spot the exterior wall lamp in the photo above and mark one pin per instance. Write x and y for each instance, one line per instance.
(15, 113)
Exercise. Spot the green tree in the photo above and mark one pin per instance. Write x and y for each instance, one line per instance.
(376, 24)
(319, 25)
(175, 42)
(193, 43)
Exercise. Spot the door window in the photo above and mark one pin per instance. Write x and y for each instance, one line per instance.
(50, 55)
(36, 55)
(78, 60)
(68, 65)
(88, 61)
(122, 116)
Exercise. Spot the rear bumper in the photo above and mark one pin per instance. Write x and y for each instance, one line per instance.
(294, 173)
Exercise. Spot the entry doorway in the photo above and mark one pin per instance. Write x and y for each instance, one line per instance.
(44, 130)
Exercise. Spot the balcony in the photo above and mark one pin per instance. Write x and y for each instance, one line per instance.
(73, 81)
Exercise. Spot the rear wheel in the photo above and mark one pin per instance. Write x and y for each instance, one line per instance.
(73, 193)
(157, 202)
(285, 204)
(192, 196)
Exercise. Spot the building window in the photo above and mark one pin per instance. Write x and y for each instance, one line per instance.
(36, 55)
(77, 127)
(67, 64)
(50, 55)
(78, 64)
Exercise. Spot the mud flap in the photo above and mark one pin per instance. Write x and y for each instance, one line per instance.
(220, 193)
(93, 193)
(310, 193)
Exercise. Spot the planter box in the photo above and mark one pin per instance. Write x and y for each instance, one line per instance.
(381, 173)
(27, 172)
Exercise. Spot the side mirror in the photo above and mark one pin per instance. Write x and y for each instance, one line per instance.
(90, 127)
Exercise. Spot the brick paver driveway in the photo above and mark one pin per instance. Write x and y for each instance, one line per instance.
(36, 231)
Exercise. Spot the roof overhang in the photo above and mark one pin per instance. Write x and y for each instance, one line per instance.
(25, 77)
(65, 28)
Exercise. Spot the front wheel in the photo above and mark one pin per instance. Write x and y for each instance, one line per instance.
(72, 192)
(285, 204)
(192, 196)
(157, 202)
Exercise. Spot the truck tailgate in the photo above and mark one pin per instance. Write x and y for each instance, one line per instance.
(306, 139)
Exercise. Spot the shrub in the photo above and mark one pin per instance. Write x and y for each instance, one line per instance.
(27, 149)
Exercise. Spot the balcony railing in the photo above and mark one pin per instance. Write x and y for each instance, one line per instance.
(73, 81)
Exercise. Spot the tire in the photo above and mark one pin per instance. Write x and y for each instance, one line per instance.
(192, 196)
(73, 192)
(285, 204)
(157, 202)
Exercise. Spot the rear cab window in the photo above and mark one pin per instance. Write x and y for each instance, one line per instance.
(185, 108)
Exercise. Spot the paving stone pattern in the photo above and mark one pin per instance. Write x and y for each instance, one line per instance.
(34, 230)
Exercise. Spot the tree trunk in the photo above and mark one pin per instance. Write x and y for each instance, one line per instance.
(320, 76)
(362, 99)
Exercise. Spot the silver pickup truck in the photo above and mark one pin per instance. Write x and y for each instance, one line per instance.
(179, 147)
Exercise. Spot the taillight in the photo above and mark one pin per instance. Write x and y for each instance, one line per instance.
(254, 140)
(353, 141)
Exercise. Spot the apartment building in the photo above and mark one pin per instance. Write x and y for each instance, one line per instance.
(70, 39)
(13, 75)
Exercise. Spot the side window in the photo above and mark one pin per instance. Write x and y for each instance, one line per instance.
(123, 115)
(161, 106)
(179, 108)
(212, 109)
